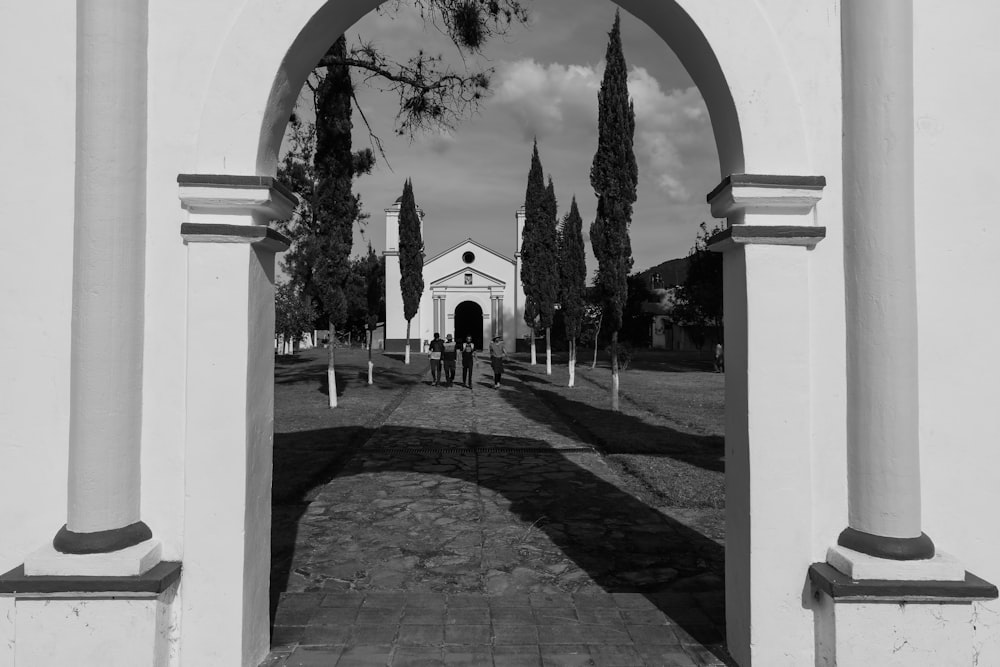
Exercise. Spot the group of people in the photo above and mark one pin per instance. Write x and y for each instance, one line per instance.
(444, 354)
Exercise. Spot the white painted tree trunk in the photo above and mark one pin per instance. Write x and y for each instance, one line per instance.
(548, 350)
(406, 358)
(371, 366)
(614, 371)
(533, 359)
(331, 376)
(572, 363)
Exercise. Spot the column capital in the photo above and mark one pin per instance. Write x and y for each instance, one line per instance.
(263, 197)
(257, 235)
(737, 235)
(765, 193)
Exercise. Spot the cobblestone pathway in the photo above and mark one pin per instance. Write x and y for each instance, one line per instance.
(475, 529)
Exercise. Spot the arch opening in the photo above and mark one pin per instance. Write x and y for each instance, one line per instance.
(469, 322)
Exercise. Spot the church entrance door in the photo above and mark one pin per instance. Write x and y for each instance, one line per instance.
(469, 322)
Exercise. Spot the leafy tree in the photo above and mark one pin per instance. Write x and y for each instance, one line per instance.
(293, 315)
(411, 259)
(534, 275)
(320, 164)
(614, 176)
(432, 94)
(698, 302)
(572, 281)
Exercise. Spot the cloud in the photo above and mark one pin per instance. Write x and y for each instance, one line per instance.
(673, 139)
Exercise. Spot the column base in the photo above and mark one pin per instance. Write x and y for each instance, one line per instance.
(129, 562)
(857, 565)
(90, 621)
(101, 541)
(895, 623)
(880, 546)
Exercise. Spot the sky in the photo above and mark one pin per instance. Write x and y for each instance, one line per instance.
(471, 181)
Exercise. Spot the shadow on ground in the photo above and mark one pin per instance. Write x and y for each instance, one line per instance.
(703, 451)
(619, 542)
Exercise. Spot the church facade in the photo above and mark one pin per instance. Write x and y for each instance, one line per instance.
(469, 290)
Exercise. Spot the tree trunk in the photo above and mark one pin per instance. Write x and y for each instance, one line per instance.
(614, 371)
(331, 376)
(406, 358)
(533, 360)
(548, 350)
(597, 335)
(572, 362)
(371, 335)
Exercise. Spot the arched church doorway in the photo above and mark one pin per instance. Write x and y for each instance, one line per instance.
(469, 322)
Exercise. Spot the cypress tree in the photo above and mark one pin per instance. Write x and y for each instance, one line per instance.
(532, 252)
(548, 271)
(614, 176)
(572, 280)
(336, 207)
(374, 288)
(411, 259)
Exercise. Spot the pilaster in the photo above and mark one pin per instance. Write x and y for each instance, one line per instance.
(768, 429)
(229, 412)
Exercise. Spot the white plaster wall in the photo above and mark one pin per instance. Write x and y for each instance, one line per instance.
(37, 136)
(957, 59)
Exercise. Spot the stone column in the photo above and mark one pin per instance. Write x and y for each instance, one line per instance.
(437, 313)
(108, 279)
(499, 316)
(883, 463)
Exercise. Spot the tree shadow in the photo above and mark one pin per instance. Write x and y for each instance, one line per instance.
(559, 499)
(704, 451)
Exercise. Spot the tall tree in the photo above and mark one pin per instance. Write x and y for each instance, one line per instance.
(572, 280)
(411, 259)
(548, 270)
(698, 301)
(536, 206)
(614, 176)
(293, 315)
(375, 288)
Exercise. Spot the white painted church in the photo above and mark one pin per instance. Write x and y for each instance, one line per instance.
(857, 144)
(469, 290)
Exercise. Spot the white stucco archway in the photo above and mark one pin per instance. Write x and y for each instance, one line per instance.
(738, 61)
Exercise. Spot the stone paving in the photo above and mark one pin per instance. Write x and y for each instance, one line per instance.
(474, 528)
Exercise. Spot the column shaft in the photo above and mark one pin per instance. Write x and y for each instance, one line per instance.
(879, 258)
(108, 278)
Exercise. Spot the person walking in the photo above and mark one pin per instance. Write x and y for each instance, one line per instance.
(498, 354)
(436, 349)
(468, 360)
(720, 359)
(448, 356)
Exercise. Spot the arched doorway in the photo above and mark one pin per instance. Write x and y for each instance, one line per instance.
(469, 322)
(752, 79)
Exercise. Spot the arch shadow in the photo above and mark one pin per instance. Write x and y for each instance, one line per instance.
(559, 500)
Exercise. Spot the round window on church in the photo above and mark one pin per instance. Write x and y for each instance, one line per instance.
(468, 257)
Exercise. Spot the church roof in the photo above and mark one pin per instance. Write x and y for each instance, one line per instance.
(462, 243)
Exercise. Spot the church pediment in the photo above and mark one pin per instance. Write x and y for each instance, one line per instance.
(468, 277)
(460, 248)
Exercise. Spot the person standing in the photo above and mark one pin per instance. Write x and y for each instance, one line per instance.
(720, 359)
(498, 354)
(468, 360)
(448, 356)
(436, 349)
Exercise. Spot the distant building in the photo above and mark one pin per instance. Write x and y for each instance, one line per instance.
(469, 290)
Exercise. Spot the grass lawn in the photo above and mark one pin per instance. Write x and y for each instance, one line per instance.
(668, 436)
